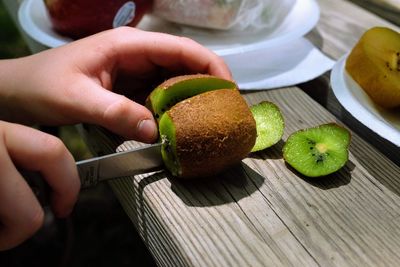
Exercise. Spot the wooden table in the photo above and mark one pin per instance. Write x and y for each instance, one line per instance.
(388, 9)
(262, 213)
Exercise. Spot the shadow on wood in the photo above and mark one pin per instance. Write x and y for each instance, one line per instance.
(238, 182)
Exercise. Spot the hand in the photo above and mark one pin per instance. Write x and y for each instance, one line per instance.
(74, 83)
(80, 82)
(20, 212)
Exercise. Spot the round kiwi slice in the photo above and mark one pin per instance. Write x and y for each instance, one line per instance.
(318, 151)
(270, 124)
(179, 88)
(207, 133)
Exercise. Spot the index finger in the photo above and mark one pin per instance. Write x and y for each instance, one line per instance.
(46, 154)
(141, 51)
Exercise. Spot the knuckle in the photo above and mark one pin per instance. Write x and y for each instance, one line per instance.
(119, 34)
(53, 148)
(119, 110)
(187, 40)
(123, 30)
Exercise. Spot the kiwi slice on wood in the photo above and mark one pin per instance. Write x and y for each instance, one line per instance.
(179, 88)
(374, 63)
(204, 134)
(318, 151)
(270, 124)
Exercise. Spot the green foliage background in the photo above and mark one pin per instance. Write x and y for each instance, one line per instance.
(11, 42)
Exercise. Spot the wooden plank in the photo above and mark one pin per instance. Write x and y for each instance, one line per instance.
(264, 213)
(340, 27)
(387, 9)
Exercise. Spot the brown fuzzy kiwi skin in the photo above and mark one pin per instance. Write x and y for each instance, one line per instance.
(214, 130)
(166, 84)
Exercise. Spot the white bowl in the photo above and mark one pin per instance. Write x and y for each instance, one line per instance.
(302, 18)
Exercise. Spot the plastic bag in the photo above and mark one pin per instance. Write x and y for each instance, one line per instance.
(224, 14)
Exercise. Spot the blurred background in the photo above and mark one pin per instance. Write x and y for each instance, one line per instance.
(98, 233)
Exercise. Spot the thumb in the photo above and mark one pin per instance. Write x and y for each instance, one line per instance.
(129, 119)
(118, 114)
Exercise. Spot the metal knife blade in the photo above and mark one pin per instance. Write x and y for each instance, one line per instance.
(136, 161)
(91, 171)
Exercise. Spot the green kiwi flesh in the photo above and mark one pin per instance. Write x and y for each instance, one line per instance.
(318, 151)
(179, 88)
(168, 151)
(206, 133)
(270, 124)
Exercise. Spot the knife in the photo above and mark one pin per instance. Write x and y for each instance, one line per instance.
(139, 160)
(135, 161)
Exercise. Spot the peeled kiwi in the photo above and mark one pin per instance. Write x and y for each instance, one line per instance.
(204, 134)
(270, 124)
(179, 88)
(374, 63)
(318, 151)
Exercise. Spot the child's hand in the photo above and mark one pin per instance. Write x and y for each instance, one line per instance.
(20, 212)
(79, 82)
(74, 83)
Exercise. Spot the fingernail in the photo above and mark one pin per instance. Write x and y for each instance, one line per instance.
(147, 130)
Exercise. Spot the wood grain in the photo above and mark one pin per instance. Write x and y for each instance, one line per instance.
(263, 213)
(387, 9)
(341, 25)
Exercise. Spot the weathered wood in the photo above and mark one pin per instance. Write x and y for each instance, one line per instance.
(262, 213)
(387, 9)
(340, 27)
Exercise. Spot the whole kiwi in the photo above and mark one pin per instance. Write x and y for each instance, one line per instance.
(206, 133)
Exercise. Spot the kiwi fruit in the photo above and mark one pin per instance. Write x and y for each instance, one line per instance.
(204, 134)
(179, 88)
(270, 124)
(374, 63)
(318, 151)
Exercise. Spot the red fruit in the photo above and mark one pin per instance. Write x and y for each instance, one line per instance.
(80, 18)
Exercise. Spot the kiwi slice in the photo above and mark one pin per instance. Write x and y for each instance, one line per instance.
(374, 63)
(179, 88)
(318, 151)
(206, 133)
(270, 124)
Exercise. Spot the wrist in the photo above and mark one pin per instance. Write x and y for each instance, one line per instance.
(11, 84)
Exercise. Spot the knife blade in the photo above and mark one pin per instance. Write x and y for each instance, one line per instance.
(140, 160)
(120, 164)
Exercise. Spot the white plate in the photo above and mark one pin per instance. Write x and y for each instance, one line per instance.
(35, 22)
(302, 18)
(289, 64)
(353, 98)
